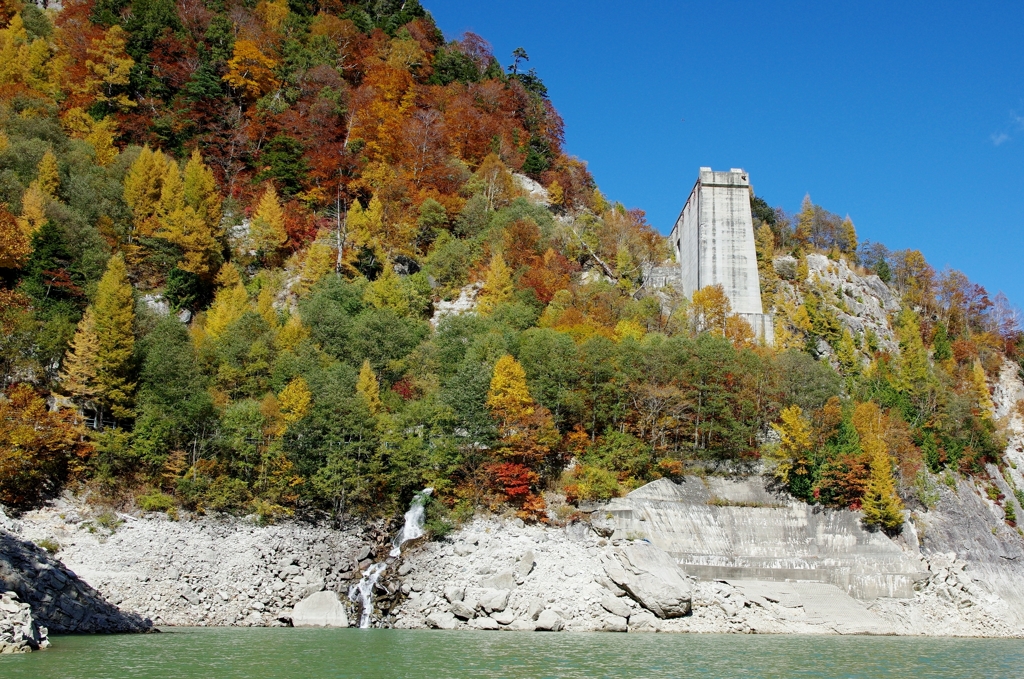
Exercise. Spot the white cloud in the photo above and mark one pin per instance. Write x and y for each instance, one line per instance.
(999, 137)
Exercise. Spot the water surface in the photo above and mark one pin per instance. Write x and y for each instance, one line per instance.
(227, 653)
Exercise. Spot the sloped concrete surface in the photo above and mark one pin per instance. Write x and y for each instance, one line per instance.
(722, 529)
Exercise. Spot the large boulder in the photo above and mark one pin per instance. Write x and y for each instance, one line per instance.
(652, 578)
(549, 621)
(321, 609)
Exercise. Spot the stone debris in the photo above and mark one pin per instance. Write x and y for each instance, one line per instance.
(210, 571)
(19, 632)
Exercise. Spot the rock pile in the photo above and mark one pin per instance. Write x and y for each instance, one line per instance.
(211, 571)
(18, 631)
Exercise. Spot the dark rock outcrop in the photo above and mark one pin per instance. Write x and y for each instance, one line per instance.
(59, 599)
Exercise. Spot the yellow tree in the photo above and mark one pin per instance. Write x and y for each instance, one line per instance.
(499, 188)
(980, 385)
(250, 71)
(498, 287)
(266, 232)
(848, 237)
(33, 209)
(201, 192)
(184, 224)
(99, 134)
(48, 174)
(795, 438)
(291, 333)
(142, 189)
(508, 397)
(320, 260)
(387, 292)
(368, 388)
(882, 506)
(24, 61)
(367, 225)
(710, 309)
(111, 68)
(115, 330)
(15, 246)
(79, 375)
(295, 401)
(229, 304)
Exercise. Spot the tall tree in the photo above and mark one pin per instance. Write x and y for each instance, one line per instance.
(79, 376)
(267, 232)
(498, 287)
(114, 310)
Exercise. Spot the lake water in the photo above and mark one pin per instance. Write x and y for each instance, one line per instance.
(226, 653)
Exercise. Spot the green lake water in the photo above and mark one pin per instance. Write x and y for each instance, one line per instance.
(226, 653)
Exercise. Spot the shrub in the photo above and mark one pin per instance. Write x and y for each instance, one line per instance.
(589, 484)
(155, 501)
(51, 546)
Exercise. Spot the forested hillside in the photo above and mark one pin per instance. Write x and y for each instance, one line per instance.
(226, 229)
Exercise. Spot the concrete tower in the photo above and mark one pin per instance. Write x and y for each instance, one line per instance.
(714, 243)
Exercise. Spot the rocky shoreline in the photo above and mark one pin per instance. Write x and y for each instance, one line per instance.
(492, 574)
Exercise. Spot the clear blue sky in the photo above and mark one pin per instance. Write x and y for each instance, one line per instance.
(909, 117)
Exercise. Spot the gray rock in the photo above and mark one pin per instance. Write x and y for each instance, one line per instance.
(652, 578)
(462, 611)
(453, 594)
(603, 523)
(504, 617)
(644, 621)
(526, 564)
(615, 606)
(405, 568)
(521, 625)
(503, 580)
(549, 621)
(484, 623)
(322, 609)
(614, 623)
(535, 609)
(494, 600)
(442, 620)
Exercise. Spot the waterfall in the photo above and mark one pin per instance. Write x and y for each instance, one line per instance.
(362, 591)
(413, 526)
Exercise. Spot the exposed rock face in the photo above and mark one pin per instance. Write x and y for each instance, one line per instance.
(867, 300)
(59, 599)
(650, 577)
(19, 633)
(465, 303)
(534, 190)
(320, 609)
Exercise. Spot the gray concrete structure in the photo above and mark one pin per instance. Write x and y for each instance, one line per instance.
(722, 529)
(713, 240)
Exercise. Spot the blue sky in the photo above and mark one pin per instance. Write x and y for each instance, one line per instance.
(907, 116)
